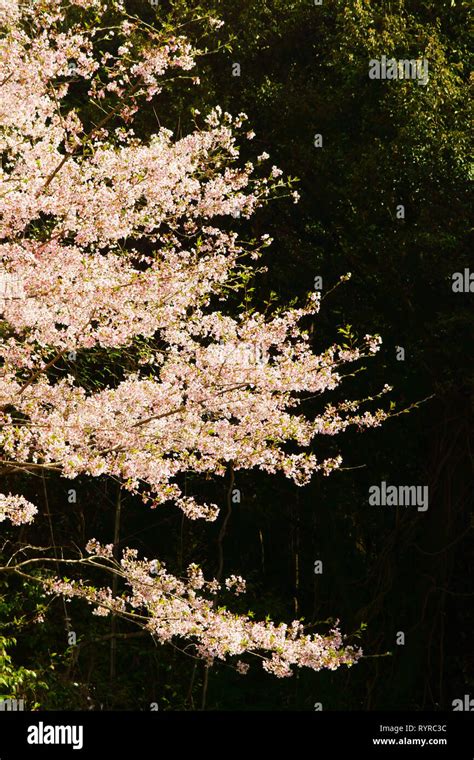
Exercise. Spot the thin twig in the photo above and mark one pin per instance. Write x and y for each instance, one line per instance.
(113, 623)
(223, 529)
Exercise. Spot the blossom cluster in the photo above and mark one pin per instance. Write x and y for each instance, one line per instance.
(173, 609)
(16, 509)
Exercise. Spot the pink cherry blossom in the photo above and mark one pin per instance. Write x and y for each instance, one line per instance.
(203, 390)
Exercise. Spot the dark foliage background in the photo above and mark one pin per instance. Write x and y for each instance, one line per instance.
(386, 570)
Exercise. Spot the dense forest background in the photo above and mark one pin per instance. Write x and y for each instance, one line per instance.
(386, 571)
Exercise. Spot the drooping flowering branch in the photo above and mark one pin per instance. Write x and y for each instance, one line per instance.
(174, 609)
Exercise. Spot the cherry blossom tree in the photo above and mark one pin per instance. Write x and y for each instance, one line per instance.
(108, 241)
